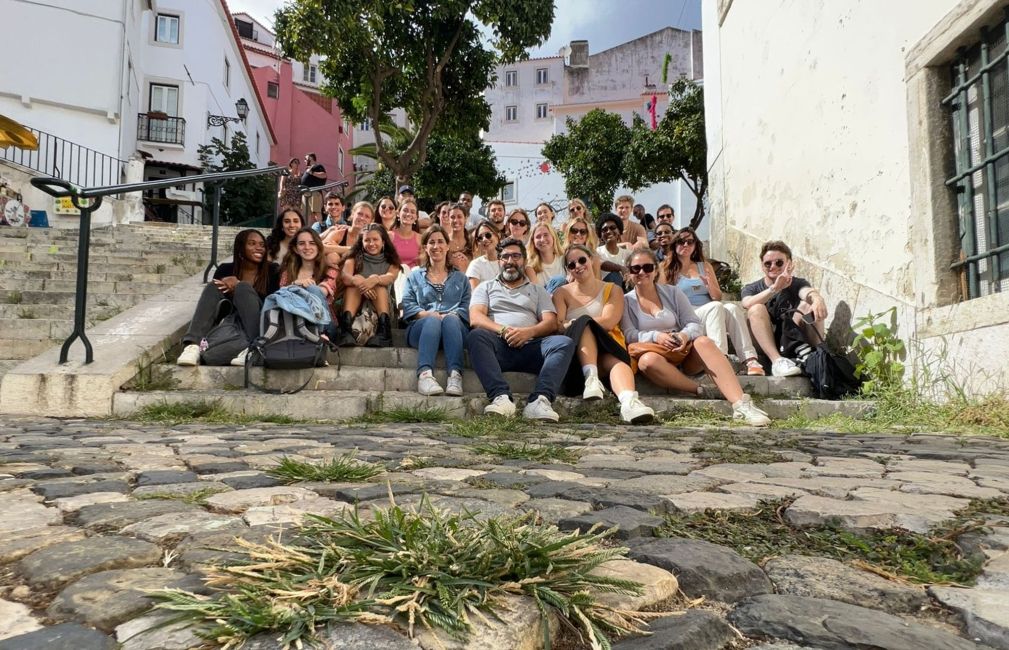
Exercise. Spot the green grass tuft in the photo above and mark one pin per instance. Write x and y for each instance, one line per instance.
(490, 426)
(341, 469)
(199, 497)
(203, 411)
(425, 568)
(525, 451)
(934, 558)
(14, 298)
(402, 415)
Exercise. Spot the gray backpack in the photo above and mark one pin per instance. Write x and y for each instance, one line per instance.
(286, 342)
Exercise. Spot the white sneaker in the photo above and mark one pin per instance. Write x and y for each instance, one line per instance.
(502, 405)
(785, 367)
(633, 411)
(240, 359)
(454, 385)
(540, 409)
(594, 388)
(428, 385)
(745, 409)
(190, 356)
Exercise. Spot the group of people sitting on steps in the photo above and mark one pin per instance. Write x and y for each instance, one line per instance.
(584, 307)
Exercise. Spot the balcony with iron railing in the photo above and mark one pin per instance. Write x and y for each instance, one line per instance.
(162, 128)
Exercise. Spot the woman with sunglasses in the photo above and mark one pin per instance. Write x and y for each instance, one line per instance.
(546, 260)
(612, 252)
(436, 306)
(664, 251)
(517, 226)
(484, 265)
(589, 312)
(723, 321)
(387, 212)
(661, 315)
(578, 210)
(459, 244)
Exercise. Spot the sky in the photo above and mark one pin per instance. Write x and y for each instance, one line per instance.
(603, 23)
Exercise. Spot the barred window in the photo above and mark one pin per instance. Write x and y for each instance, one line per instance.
(979, 108)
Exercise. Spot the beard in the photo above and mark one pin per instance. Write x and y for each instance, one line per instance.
(510, 273)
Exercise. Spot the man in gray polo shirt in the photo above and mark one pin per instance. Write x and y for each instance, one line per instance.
(514, 329)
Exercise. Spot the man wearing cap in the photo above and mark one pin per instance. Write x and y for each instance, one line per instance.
(514, 328)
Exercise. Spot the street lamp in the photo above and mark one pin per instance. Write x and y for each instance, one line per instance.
(241, 107)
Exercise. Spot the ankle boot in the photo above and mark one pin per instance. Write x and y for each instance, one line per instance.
(383, 337)
(346, 338)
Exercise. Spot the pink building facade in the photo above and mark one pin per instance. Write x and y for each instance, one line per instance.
(302, 118)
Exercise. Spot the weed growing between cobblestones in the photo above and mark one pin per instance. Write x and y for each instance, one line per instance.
(199, 497)
(211, 412)
(490, 426)
(731, 447)
(426, 568)
(343, 468)
(935, 558)
(402, 415)
(526, 451)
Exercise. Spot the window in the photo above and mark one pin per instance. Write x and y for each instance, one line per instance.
(339, 161)
(511, 78)
(508, 192)
(227, 73)
(366, 125)
(272, 89)
(257, 145)
(165, 99)
(244, 28)
(309, 72)
(167, 29)
(981, 152)
(511, 113)
(541, 111)
(541, 76)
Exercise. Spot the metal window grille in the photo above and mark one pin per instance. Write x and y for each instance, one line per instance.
(979, 108)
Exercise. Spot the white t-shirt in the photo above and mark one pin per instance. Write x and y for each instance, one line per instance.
(483, 269)
(551, 270)
(620, 258)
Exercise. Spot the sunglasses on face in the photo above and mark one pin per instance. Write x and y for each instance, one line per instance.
(610, 229)
(517, 222)
(665, 216)
(686, 242)
(485, 236)
(578, 231)
(575, 208)
(387, 207)
(641, 268)
(581, 261)
(775, 263)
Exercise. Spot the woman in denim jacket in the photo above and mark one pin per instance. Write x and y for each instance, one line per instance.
(436, 305)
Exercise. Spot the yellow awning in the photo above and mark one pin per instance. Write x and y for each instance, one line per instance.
(13, 134)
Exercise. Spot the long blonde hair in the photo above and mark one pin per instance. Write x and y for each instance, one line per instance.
(591, 240)
(535, 261)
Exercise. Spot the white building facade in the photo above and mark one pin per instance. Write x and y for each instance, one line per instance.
(135, 82)
(533, 99)
(842, 129)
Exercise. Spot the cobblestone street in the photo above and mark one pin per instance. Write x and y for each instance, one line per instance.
(93, 513)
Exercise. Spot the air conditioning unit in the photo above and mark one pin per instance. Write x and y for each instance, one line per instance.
(577, 56)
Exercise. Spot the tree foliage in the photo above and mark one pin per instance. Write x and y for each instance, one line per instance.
(676, 150)
(425, 56)
(590, 156)
(243, 198)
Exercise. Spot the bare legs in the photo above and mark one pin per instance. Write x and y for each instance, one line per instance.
(621, 377)
(705, 356)
(763, 330)
(352, 300)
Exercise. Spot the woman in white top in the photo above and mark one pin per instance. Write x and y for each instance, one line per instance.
(545, 257)
(612, 251)
(589, 311)
(484, 265)
(661, 314)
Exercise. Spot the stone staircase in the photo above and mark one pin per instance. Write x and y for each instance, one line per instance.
(128, 264)
(358, 381)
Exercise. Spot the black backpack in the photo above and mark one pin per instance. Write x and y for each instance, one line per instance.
(286, 342)
(832, 375)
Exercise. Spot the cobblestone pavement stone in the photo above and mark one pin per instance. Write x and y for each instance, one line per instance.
(93, 513)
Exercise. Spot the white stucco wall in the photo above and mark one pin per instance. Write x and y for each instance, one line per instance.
(525, 95)
(807, 110)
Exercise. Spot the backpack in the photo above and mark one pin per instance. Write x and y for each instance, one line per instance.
(224, 342)
(286, 342)
(832, 375)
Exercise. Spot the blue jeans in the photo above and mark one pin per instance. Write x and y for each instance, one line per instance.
(547, 357)
(428, 334)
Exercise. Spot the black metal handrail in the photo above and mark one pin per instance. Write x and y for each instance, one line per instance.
(87, 200)
(306, 189)
(67, 160)
(163, 129)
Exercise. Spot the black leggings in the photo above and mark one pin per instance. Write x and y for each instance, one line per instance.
(214, 305)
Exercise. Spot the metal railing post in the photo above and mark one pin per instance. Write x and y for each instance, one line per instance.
(213, 234)
(81, 297)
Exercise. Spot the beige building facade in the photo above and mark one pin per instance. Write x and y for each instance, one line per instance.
(868, 136)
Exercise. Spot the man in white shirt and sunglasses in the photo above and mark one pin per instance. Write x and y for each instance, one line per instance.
(771, 299)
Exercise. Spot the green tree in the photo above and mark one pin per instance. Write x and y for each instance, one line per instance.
(676, 150)
(590, 156)
(425, 56)
(242, 198)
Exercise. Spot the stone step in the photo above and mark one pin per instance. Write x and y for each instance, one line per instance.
(50, 311)
(120, 300)
(26, 349)
(403, 378)
(43, 272)
(341, 405)
(18, 329)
